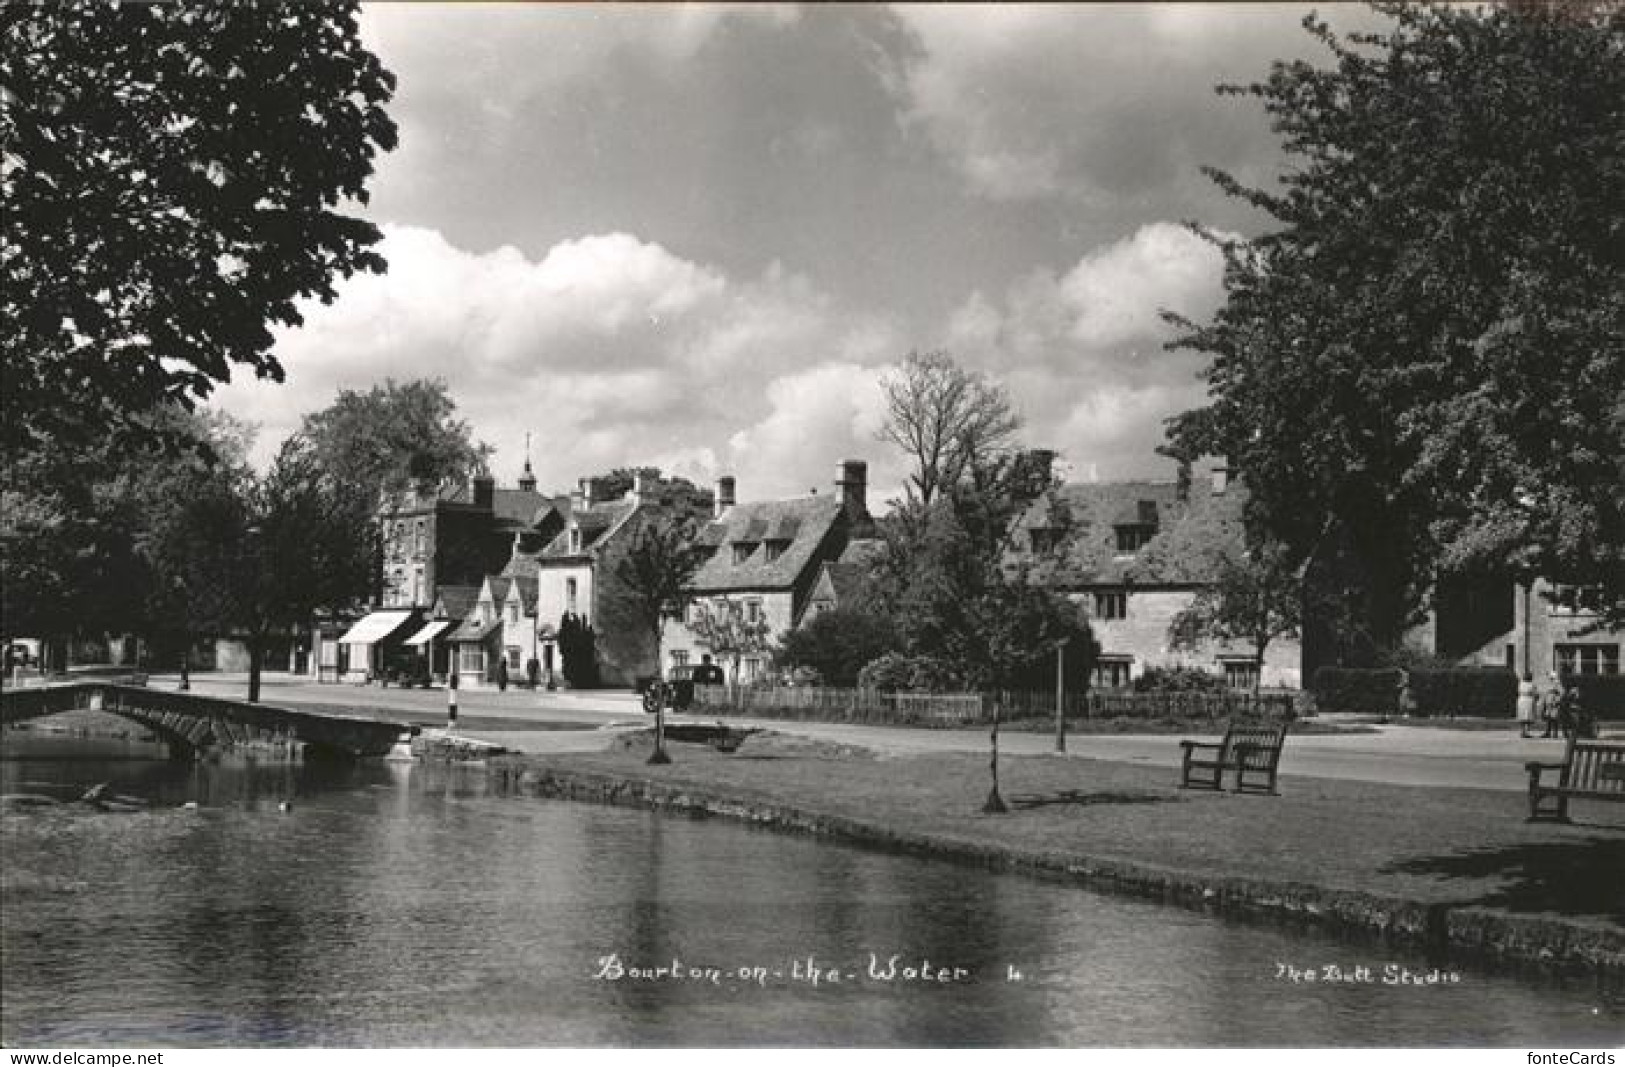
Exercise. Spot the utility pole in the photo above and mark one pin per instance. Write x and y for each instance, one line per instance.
(1060, 695)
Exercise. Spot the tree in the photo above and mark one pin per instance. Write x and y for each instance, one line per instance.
(676, 491)
(946, 419)
(1418, 370)
(308, 545)
(1257, 598)
(654, 569)
(173, 175)
(724, 628)
(381, 442)
(838, 644)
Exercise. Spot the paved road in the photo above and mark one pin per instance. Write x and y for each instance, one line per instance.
(1404, 755)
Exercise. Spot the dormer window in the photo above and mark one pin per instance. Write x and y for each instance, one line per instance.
(575, 539)
(1042, 540)
(743, 550)
(1134, 537)
(775, 549)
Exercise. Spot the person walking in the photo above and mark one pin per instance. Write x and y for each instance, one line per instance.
(1528, 697)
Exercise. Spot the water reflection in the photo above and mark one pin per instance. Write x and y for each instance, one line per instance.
(403, 905)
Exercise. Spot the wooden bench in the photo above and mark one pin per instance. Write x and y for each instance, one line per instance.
(1591, 770)
(1251, 751)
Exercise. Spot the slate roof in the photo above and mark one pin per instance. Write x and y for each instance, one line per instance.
(458, 600)
(1191, 534)
(511, 507)
(807, 519)
(522, 569)
(473, 629)
(594, 522)
(499, 587)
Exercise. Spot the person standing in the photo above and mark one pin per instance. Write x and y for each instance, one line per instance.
(1549, 702)
(1528, 697)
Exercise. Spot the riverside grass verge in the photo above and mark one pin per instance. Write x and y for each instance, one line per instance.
(1451, 869)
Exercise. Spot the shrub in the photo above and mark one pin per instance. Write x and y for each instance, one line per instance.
(837, 644)
(1179, 680)
(1486, 691)
(895, 671)
(1601, 695)
(1367, 691)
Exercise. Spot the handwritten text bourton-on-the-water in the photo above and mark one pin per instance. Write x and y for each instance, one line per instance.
(808, 970)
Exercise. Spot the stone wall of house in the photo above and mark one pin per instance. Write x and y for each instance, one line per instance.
(1142, 634)
(677, 640)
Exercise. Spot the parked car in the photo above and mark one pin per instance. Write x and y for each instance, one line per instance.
(676, 692)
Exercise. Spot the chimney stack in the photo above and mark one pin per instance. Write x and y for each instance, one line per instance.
(586, 491)
(484, 491)
(853, 485)
(643, 487)
(725, 494)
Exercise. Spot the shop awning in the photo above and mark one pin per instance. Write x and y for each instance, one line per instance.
(430, 632)
(376, 627)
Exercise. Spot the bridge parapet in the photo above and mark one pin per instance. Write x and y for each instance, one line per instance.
(188, 723)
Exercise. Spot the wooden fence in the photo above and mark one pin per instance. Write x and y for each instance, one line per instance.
(821, 703)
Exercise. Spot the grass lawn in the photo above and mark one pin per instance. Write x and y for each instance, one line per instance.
(1435, 846)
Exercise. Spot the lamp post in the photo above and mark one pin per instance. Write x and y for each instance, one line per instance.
(1060, 694)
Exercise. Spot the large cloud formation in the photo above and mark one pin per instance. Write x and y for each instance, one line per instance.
(1083, 352)
(609, 349)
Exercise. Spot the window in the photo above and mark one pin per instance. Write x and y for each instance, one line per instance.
(570, 596)
(417, 585)
(513, 614)
(1134, 538)
(421, 541)
(750, 669)
(775, 549)
(1111, 672)
(1111, 605)
(753, 611)
(1042, 540)
(471, 659)
(1586, 659)
(487, 613)
(1240, 673)
(679, 657)
(743, 550)
(512, 652)
(575, 539)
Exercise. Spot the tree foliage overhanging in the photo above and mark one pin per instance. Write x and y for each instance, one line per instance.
(392, 436)
(173, 178)
(1421, 369)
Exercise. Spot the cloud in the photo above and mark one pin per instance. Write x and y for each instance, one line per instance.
(1082, 351)
(1098, 105)
(610, 349)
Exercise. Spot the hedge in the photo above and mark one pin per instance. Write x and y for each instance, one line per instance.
(1601, 695)
(1368, 691)
(1487, 692)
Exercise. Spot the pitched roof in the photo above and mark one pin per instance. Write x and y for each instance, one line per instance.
(1191, 534)
(457, 600)
(510, 507)
(498, 584)
(596, 522)
(522, 569)
(807, 519)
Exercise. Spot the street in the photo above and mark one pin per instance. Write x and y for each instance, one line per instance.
(542, 722)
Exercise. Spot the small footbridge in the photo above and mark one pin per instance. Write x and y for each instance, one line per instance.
(189, 724)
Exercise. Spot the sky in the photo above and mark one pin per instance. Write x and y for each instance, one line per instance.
(698, 237)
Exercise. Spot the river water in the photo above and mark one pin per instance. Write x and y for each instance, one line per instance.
(400, 905)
